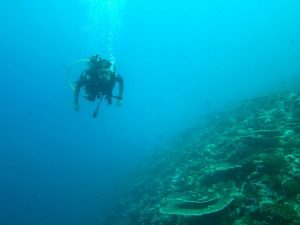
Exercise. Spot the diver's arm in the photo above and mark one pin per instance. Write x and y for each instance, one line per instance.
(81, 82)
(76, 96)
(121, 89)
(121, 86)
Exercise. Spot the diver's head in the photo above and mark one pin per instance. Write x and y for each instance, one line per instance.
(106, 64)
(95, 61)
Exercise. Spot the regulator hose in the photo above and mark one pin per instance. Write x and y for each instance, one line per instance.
(69, 69)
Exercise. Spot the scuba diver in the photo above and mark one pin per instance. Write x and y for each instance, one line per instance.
(98, 82)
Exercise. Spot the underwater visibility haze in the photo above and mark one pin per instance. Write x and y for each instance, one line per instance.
(182, 61)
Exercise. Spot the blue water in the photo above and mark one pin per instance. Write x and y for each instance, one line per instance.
(179, 59)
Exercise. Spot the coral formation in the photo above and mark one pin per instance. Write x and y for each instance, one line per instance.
(240, 167)
(220, 197)
(283, 212)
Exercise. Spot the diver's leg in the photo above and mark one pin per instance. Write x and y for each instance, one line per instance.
(90, 94)
(109, 99)
(91, 98)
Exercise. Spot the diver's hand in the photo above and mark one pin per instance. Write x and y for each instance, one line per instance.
(76, 108)
(119, 101)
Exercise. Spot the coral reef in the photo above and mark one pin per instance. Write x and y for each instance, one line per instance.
(217, 199)
(279, 213)
(241, 167)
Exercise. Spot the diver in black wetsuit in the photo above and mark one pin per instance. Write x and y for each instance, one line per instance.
(98, 81)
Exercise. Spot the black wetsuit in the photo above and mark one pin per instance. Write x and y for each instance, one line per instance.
(100, 82)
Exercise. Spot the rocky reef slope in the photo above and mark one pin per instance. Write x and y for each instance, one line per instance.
(242, 167)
